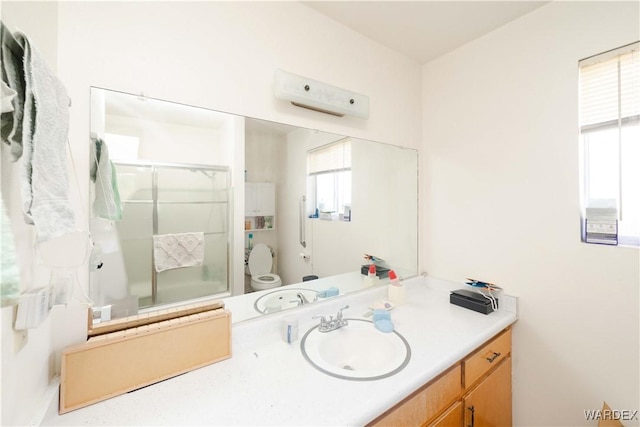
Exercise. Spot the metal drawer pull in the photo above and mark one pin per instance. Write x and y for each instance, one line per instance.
(493, 357)
(473, 413)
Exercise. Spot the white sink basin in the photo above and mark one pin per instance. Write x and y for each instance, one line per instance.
(357, 351)
(283, 299)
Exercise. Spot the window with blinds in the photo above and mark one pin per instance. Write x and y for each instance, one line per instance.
(610, 146)
(329, 172)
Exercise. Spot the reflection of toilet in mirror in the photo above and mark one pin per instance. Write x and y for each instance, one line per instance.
(260, 264)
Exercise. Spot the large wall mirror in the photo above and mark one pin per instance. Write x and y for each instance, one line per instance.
(172, 195)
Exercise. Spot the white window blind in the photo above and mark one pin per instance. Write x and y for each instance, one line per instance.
(333, 157)
(610, 88)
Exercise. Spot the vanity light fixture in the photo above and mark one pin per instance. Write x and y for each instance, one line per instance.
(318, 96)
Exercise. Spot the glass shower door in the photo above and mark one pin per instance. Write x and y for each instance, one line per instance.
(166, 200)
(195, 200)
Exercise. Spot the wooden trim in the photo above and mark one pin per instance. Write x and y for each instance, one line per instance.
(148, 318)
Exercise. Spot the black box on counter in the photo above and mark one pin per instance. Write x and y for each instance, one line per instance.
(471, 300)
(381, 272)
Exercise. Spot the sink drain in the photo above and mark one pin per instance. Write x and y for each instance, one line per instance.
(348, 368)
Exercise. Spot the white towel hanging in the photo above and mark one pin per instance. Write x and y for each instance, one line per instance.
(178, 250)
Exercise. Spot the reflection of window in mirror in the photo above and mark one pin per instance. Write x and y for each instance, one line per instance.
(122, 147)
(329, 174)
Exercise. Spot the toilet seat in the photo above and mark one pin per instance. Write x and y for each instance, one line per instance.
(266, 278)
(260, 260)
(260, 263)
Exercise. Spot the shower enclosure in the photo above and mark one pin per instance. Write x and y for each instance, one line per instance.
(165, 198)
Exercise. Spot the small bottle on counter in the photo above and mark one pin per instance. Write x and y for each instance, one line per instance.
(396, 289)
(371, 277)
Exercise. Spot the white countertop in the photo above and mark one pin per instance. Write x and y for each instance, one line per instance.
(268, 382)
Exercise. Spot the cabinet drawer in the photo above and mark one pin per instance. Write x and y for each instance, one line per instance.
(490, 355)
(426, 403)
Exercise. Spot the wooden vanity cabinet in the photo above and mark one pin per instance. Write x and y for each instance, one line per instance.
(475, 392)
(487, 383)
(489, 403)
(426, 403)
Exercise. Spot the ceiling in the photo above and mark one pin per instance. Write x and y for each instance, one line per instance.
(426, 29)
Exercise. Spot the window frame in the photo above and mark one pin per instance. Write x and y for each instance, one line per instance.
(625, 119)
(337, 165)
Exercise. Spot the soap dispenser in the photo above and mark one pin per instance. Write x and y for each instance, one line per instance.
(371, 277)
(396, 289)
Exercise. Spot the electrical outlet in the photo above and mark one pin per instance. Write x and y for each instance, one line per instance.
(33, 308)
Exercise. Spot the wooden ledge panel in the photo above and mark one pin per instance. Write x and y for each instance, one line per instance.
(149, 318)
(122, 361)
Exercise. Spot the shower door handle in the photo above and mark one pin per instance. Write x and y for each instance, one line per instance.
(303, 242)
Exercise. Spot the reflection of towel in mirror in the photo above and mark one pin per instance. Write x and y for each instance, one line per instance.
(9, 273)
(12, 70)
(178, 250)
(7, 95)
(45, 130)
(106, 203)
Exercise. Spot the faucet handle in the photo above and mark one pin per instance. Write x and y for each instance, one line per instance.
(339, 315)
(324, 325)
(323, 320)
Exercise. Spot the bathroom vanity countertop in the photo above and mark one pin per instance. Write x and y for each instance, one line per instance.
(268, 382)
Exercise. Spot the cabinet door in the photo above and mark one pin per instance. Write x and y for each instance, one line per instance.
(266, 199)
(451, 418)
(250, 205)
(259, 199)
(489, 404)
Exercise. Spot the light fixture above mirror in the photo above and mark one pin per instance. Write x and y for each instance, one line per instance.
(318, 96)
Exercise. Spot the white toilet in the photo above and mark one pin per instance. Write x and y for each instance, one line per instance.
(260, 263)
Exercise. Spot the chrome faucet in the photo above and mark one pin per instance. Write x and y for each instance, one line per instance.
(300, 299)
(332, 324)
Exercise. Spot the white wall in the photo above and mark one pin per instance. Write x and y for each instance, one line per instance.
(500, 203)
(218, 55)
(298, 143)
(26, 358)
(385, 189)
(222, 55)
